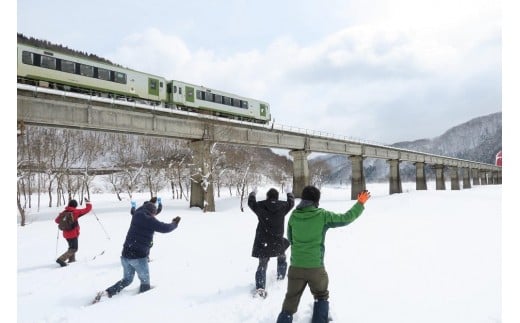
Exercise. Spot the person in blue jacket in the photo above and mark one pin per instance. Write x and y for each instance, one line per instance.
(134, 257)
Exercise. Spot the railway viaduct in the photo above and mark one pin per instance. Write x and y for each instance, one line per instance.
(51, 108)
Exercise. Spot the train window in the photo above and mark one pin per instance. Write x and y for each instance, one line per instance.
(27, 58)
(244, 104)
(153, 84)
(209, 96)
(120, 77)
(227, 101)
(236, 103)
(161, 84)
(86, 70)
(175, 89)
(180, 90)
(48, 62)
(68, 66)
(103, 74)
(200, 95)
(218, 98)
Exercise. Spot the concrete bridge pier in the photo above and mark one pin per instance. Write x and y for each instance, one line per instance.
(420, 177)
(300, 171)
(465, 178)
(201, 178)
(440, 183)
(395, 178)
(358, 177)
(483, 177)
(474, 175)
(455, 183)
(494, 175)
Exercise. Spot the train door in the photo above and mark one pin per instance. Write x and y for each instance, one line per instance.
(190, 94)
(263, 110)
(153, 87)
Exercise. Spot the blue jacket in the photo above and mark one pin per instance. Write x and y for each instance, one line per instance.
(140, 234)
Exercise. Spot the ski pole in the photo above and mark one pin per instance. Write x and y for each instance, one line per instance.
(57, 238)
(99, 254)
(108, 237)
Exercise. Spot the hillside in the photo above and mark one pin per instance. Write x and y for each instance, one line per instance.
(479, 139)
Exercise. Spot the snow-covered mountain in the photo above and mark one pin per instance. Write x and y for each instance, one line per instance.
(479, 139)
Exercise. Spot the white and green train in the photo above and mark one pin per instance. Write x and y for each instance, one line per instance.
(52, 69)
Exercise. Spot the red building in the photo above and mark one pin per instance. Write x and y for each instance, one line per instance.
(498, 159)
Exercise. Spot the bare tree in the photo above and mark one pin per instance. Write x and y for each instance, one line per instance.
(125, 155)
(92, 144)
(319, 171)
(177, 168)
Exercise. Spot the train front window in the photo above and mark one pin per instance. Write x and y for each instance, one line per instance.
(120, 77)
(68, 66)
(48, 62)
(27, 58)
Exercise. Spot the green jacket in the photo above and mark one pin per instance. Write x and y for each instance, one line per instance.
(306, 232)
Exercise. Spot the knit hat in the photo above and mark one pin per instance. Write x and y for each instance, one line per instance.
(272, 194)
(73, 203)
(311, 193)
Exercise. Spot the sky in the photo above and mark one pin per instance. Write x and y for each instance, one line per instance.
(374, 70)
(420, 256)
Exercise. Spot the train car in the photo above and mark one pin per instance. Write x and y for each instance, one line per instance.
(57, 70)
(209, 101)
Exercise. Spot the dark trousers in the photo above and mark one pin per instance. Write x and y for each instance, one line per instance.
(298, 279)
(70, 254)
(261, 270)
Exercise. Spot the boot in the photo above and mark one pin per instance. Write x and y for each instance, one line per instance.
(61, 262)
(281, 268)
(320, 312)
(72, 258)
(284, 317)
(144, 287)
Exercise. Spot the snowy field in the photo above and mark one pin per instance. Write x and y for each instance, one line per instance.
(416, 257)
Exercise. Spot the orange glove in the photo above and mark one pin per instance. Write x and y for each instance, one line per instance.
(363, 196)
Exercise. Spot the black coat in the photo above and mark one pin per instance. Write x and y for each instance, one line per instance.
(269, 240)
(140, 234)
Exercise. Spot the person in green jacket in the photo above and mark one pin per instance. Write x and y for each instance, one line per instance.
(306, 230)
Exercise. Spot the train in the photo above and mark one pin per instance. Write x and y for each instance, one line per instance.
(59, 70)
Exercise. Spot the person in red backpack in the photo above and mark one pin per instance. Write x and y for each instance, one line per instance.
(72, 235)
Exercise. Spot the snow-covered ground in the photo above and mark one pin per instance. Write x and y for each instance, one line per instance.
(416, 257)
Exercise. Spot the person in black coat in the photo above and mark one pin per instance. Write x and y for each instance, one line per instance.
(134, 257)
(269, 240)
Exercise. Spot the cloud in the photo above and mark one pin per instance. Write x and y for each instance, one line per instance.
(382, 82)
